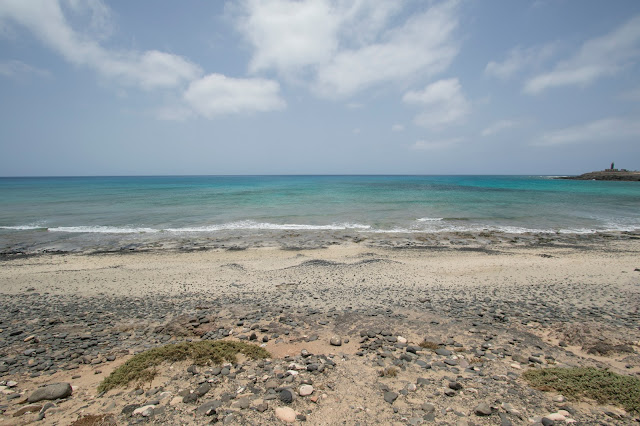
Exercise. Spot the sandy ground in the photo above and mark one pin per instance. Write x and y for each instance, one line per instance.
(551, 300)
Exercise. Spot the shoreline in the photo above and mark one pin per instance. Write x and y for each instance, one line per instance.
(74, 318)
(304, 240)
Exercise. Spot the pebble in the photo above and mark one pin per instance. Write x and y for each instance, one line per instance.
(482, 409)
(390, 397)
(335, 341)
(32, 408)
(305, 390)
(144, 411)
(286, 396)
(286, 414)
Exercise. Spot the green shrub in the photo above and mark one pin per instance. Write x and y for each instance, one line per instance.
(603, 386)
(142, 367)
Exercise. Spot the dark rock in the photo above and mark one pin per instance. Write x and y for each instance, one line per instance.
(390, 397)
(286, 396)
(51, 392)
(209, 408)
(202, 389)
(455, 385)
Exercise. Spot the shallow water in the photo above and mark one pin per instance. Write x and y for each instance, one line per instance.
(101, 210)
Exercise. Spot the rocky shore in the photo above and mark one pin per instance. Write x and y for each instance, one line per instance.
(357, 335)
(613, 175)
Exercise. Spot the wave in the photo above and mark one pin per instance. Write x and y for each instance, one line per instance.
(102, 229)
(251, 225)
(422, 225)
(25, 227)
(231, 226)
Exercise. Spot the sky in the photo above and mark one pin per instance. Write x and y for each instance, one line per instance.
(318, 87)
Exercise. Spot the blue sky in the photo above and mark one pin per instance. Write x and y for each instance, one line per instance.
(318, 87)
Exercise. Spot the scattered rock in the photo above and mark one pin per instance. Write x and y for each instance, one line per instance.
(51, 392)
(286, 414)
(482, 409)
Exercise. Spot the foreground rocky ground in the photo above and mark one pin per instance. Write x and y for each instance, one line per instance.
(344, 350)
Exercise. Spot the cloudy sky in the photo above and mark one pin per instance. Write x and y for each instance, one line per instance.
(318, 87)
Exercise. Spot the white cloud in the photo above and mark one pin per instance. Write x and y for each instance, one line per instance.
(499, 126)
(423, 45)
(347, 46)
(443, 103)
(208, 95)
(397, 128)
(288, 34)
(149, 69)
(215, 94)
(18, 69)
(435, 145)
(518, 59)
(596, 58)
(600, 131)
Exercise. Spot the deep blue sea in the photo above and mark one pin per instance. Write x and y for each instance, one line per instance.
(37, 210)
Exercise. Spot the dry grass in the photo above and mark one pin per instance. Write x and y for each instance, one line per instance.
(142, 367)
(426, 344)
(388, 372)
(95, 420)
(603, 386)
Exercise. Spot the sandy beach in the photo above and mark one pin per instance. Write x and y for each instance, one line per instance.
(490, 313)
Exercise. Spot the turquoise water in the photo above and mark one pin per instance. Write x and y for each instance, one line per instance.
(50, 208)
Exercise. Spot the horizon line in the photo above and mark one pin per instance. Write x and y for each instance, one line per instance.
(283, 175)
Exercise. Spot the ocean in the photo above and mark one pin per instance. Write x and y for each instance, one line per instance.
(80, 213)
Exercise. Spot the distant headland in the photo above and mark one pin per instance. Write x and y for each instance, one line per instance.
(608, 174)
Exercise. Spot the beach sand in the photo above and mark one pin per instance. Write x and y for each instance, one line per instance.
(496, 311)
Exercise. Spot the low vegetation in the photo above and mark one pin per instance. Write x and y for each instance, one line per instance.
(603, 386)
(388, 372)
(426, 344)
(142, 367)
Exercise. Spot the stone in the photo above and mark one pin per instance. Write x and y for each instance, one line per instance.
(190, 397)
(271, 384)
(428, 408)
(482, 409)
(558, 398)
(556, 417)
(443, 352)
(335, 341)
(504, 420)
(286, 414)
(202, 389)
(242, 403)
(209, 408)
(144, 411)
(286, 396)
(51, 392)
(32, 408)
(455, 385)
(390, 397)
(305, 390)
